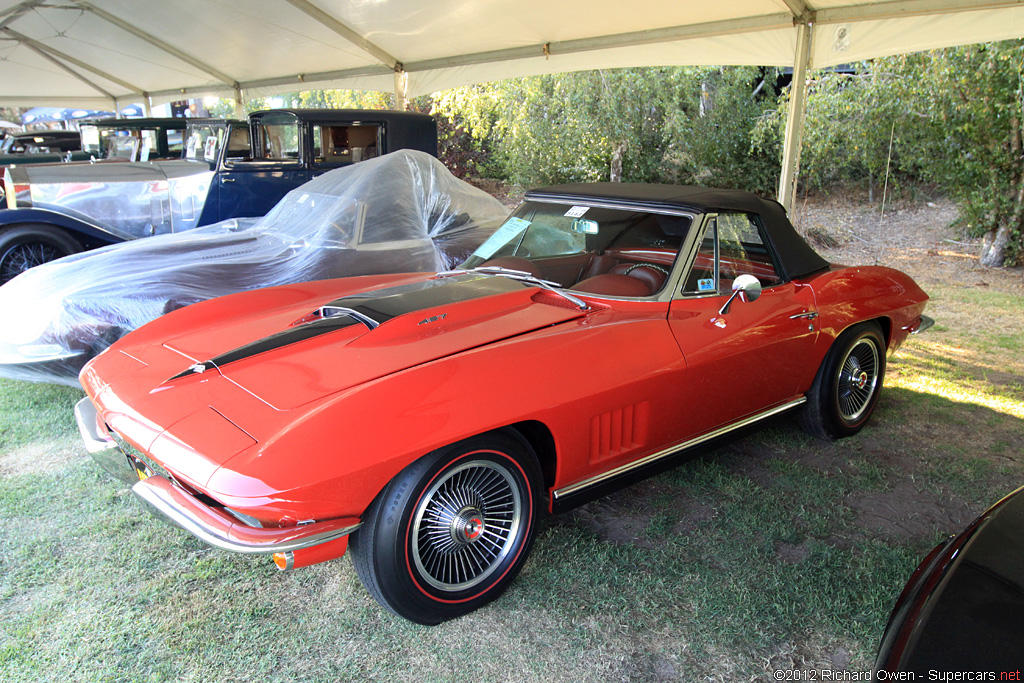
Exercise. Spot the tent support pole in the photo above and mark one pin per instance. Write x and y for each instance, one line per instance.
(239, 104)
(795, 120)
(401, 89)
(147, 108)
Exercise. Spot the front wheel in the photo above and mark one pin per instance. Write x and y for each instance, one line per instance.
(847, 385)
(28, 246)
(452, 530)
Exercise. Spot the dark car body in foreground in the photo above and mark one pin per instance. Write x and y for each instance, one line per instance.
(963, 608)
(601, 333)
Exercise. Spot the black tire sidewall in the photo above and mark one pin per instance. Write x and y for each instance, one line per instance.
(387, 545)
(830, 385)
(29, 234)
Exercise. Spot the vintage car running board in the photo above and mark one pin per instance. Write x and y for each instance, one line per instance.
(582, 492)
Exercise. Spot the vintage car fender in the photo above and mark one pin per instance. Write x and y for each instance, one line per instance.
(81, 227)
(129, 199)
(846, 288)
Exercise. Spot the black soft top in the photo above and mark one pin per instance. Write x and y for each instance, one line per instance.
(796, 258)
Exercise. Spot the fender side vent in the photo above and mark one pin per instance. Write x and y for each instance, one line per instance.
(619, 431)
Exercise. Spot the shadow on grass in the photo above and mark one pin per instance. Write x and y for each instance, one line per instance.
(775, 551)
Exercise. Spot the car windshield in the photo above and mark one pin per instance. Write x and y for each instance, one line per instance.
(568, 243)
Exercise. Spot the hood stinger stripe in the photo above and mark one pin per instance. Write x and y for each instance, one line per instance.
(371, 309)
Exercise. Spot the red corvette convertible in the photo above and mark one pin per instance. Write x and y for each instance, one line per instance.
(428, 420)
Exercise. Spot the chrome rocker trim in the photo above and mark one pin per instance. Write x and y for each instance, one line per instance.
(673, 450)
(221, 530)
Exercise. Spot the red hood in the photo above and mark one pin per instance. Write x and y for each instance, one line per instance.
(307, 369)
(151, 390)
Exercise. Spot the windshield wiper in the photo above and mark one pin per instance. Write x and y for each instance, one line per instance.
(521, 276)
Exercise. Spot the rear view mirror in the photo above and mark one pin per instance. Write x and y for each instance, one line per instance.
(584, 227)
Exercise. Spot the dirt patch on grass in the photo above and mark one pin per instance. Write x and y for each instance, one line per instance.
(917, 238)
(908, 512)
(42, 457)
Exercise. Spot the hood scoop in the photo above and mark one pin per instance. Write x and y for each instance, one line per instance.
(370, 310)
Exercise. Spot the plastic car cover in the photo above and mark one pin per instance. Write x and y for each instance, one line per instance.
(401, 212)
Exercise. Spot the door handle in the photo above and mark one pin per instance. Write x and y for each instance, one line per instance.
(809, 315)
(227, 180)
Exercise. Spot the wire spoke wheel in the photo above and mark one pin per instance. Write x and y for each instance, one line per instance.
(25, 255)
(451, 531)
(858, 379)
(848, 383)
(465, 525)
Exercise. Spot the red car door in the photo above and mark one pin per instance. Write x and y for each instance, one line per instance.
(754, 355)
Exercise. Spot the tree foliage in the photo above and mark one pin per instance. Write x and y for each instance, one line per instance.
(658, 124)
(952, 118)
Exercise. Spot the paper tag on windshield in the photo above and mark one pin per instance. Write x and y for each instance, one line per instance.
(577, 211)
(210, 151)
(502, 236)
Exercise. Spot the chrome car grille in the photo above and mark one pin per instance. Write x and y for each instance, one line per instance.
(134, 453)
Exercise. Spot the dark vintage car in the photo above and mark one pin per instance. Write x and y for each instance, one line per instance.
(139, 139)
(41, 142)
(228, 170)
(602, 332)
(142, 139)
(401, 212)
(963, 608)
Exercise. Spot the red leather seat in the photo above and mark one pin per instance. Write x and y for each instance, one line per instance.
(613, 284)
(633, 280)
(651, 275)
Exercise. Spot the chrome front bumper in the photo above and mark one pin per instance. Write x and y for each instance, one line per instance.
(923, 324)
(210, 524)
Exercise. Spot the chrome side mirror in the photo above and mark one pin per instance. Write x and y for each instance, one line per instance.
(747, 287)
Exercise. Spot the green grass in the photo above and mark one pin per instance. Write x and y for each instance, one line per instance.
(755, 557)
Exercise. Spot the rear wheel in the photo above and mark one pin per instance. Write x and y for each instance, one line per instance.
(452, 530)
(847, 385)
(28, 246)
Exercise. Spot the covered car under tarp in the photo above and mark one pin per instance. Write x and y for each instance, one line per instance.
(401, 212)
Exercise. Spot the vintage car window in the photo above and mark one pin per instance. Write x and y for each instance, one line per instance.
(121, 147)
(277, 138)
(91, 140)
(339, 145)
(175, 141)
(204, 142)
(741, 251)
(703, 276)
(732, 246)
(238, 143)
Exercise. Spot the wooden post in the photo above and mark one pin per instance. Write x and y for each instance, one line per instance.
(795, 121)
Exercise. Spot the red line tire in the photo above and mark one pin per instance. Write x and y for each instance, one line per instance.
(452, 530)
(849, 381)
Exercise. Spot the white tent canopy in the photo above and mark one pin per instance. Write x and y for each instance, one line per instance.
(97, 53)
